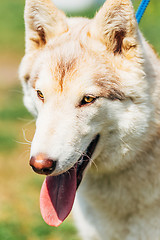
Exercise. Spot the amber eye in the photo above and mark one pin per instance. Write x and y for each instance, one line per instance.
(40, 95)
(87, 100)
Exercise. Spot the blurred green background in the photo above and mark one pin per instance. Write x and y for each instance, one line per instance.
(19, 187)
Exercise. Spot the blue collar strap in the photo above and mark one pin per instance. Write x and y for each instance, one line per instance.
(142, 7)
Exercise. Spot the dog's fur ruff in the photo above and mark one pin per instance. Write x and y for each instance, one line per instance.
(107, 57)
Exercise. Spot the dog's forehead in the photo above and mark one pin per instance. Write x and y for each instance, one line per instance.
(71, 66)
(61, 62)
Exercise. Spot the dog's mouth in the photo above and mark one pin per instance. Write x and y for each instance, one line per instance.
(58, 192)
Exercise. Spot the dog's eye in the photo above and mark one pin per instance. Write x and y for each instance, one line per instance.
(87, 100)
(40, 95)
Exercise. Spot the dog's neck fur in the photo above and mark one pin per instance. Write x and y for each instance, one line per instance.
(128, 198)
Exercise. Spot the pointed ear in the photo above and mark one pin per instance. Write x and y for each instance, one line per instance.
(42, 22)
(115, 25)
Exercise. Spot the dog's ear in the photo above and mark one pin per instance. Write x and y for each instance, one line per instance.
(42, 22)
(115, 24)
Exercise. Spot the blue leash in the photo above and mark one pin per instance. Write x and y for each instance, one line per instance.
(142, 7)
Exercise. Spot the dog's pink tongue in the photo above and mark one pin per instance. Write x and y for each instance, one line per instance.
(57, 197)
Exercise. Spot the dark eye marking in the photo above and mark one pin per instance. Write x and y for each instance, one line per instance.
(110, 89)
(109, 85)
(115, 94)
(26, 77)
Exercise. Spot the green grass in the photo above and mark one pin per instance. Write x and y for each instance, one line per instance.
(150, 24)
(11, 25)
(15, 230)
(11, 110)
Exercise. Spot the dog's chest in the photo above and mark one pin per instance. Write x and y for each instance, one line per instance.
(115, 209)
(98, 210)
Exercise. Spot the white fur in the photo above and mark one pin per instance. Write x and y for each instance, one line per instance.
(119, 197)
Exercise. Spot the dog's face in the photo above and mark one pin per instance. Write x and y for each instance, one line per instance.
(83, 80)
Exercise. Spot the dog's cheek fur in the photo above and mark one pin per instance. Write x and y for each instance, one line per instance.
(123, 133)
(25, 70)
(127, 121)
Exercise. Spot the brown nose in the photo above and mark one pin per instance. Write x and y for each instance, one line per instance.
(42, 165)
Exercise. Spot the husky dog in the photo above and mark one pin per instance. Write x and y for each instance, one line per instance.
(93, 86)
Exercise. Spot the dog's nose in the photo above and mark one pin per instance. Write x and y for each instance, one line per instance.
(42, 165)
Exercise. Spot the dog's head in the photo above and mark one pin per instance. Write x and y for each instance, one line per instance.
(84, 81)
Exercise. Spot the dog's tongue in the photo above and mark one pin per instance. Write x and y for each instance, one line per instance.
(57, 197)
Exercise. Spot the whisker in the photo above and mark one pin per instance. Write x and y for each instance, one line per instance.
(26, 120)
(90, 159)
(126, 144)
(68, 172)
(24, 153)
(16, 91)
(24, 135)
(23, 143)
